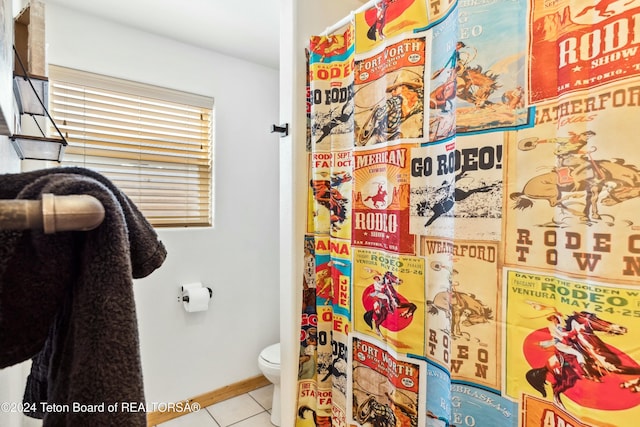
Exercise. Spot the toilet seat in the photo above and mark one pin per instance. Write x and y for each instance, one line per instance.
(271, 355)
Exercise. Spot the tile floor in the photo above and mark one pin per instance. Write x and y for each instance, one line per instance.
(252, 409)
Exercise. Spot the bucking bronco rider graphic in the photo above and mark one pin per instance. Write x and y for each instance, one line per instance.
(561, 339)
(454, 62)
(572, 158)
(382, 294)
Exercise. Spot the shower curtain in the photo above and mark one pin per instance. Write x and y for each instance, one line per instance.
(473, 246)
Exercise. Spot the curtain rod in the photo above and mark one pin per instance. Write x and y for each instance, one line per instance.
(344, 21)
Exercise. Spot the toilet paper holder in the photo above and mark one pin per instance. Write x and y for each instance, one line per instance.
(183, 288)
(185, 298)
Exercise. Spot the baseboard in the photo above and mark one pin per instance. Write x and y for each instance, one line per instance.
(206, 399)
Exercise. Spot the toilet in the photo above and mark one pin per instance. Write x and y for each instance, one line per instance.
(269, 363)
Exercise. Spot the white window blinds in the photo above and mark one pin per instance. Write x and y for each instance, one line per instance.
(155, 144)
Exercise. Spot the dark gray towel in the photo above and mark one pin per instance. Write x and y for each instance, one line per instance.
(81, 284)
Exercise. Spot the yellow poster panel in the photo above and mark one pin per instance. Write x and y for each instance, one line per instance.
(307, 392)
(573, 343)
(389, 299)
(312, 205)
(387, 19)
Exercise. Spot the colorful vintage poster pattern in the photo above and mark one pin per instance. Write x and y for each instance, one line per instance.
(331, 91)
(439, 402)
(466, 305)
(477, 406)
(307, 390)
(384, 384)
(573, 186)
(389, 91)
(332, 369)
(381, 199)
(388, 298)
(541, 412)
(581, 45)
(386, 21)
(479, 186)
(443, 78)
(326, 317)
(466, 174)
(439, 273)
(489, 61)
(330, 195)
(432, 190)
(546, 314)
(497, 227)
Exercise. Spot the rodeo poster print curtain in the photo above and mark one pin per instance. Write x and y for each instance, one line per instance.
(473, 248)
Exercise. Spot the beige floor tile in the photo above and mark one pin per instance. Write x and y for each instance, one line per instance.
(235, 409)
(264, 396)
(261, 420)
(196, 419)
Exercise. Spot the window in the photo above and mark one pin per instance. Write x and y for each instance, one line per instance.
(155, 144)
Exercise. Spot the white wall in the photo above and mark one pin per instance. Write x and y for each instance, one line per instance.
(186, 354)
(9, 161)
